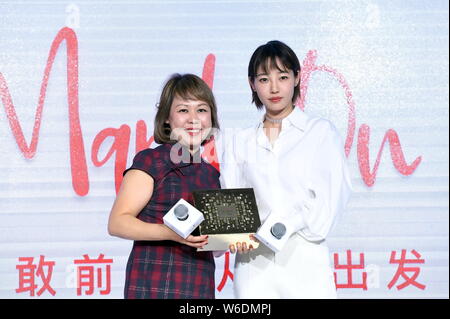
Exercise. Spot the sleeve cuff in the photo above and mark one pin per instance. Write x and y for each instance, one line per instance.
(295, 221)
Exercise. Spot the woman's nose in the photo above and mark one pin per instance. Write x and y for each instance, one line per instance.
(273, 87)
(193, 117)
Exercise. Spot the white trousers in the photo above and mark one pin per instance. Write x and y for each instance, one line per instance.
(300, 271)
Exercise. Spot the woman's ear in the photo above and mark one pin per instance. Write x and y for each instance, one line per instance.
(166, 127)
(297, 78)
(251, 84)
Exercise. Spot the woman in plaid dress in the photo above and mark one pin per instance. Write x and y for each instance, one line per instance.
(162, 264)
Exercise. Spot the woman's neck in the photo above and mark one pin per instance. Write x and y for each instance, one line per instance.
(279, 115)
(274, 119)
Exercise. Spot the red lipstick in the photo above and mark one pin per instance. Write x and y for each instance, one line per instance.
(275, 99)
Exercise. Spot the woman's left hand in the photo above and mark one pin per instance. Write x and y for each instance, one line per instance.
(242, 248)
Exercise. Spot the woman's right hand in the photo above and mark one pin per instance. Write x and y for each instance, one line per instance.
(191, 240)
(195, 241)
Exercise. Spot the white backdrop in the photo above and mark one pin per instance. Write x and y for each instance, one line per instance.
(76, 78)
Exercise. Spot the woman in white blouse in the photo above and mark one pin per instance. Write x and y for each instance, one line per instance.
(296, 165)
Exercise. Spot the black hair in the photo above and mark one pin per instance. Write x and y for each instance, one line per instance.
(265, 56)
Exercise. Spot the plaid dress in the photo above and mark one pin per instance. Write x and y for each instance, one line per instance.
(167, 269)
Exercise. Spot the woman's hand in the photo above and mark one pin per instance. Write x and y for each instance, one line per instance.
(242, 247)
(192, 241)
(195, 241)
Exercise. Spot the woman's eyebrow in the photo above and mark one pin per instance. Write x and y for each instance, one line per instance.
(279, 71)
(187, 105)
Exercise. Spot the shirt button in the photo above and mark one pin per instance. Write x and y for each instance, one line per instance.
(312, 193)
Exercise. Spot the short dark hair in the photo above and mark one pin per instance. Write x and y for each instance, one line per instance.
(265, 57)
(186, 86)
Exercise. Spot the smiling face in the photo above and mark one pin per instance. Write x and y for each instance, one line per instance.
(275, 88)
(190, 91)
(190, 121)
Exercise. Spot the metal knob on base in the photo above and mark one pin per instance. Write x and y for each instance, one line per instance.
(278, 230)
(181, 212)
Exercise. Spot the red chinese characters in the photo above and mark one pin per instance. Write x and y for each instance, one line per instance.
(226, 272)
(28, 273)
(409, 274)
(402, 270)
(91, 274)
(349, 267)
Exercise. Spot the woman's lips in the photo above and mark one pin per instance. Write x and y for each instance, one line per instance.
(275, 99)
(193, 132)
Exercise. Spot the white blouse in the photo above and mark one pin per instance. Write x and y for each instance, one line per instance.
(302, 179)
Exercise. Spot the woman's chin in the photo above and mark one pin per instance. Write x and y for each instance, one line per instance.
(192, 142)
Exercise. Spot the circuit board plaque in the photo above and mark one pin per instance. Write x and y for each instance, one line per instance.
(230, 215)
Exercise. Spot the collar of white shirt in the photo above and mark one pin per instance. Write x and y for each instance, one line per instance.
(296, 119)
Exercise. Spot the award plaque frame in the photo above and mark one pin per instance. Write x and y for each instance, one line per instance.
(231, 215)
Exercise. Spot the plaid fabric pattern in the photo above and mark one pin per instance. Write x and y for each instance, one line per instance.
(166, 269)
